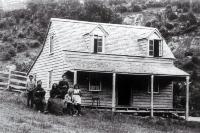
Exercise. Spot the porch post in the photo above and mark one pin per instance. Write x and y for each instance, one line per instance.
(75, 77)
(187, 99)
(152, 81)
(113, 92)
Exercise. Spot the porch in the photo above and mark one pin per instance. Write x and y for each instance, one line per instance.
(129, 93)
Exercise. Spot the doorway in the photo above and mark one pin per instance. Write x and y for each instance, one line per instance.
(124, 90)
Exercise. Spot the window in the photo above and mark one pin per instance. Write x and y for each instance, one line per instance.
(50, 78)
(98, 44)
(51, 41)
(94, 82)
(155, 86)
(155, 48)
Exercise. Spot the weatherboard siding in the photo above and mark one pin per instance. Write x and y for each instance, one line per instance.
(47, 62)
(163, 99)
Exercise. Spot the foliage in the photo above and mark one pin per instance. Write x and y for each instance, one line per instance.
(135, 8)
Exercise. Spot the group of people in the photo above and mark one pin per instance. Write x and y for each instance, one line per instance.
(69, 98)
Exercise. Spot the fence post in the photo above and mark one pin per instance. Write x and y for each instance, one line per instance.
(9, 77)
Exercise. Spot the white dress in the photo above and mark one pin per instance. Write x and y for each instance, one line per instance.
(77, 97)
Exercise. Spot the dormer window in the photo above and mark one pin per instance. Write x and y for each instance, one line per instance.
(98, 44)
(155, 48)
(51, 41)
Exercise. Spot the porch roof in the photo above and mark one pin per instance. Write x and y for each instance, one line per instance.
(124, 67)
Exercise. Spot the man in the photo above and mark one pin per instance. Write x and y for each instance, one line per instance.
(30, 86)
(64, 86)
(38, 96)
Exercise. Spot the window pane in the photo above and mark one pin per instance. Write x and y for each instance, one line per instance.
(94, 81)
(99, 49)
(151, 53)
(95, 45)
(150, 47)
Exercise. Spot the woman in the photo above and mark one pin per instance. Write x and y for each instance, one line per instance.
(54, 101)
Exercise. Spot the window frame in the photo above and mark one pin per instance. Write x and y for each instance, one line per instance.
(160, 54)
(96, 36)
(149, 87)
(100, 84)
(50, 79)
(51, 44)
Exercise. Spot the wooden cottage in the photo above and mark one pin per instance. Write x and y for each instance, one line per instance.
(124, 68)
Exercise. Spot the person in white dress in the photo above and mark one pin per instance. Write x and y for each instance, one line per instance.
(77, 99)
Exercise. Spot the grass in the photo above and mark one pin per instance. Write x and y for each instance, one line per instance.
(15, 117)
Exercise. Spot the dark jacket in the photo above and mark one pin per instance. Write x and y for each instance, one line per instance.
(63, 87)
(55, 93)
(39, 93)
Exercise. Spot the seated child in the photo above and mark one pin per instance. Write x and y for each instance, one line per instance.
(77, 100)
(69, 101)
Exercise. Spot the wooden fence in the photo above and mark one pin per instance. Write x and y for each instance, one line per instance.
(13, 80)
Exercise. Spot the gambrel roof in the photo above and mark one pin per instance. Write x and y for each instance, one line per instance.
(120, 39)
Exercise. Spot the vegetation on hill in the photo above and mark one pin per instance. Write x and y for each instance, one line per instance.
(22, 31)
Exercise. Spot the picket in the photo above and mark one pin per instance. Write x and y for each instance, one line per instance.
(13, 80)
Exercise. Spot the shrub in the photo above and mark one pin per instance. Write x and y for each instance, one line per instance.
(172, 16)
(34, 44)
(21, 35)
(135, 8)
(21, 47)
(12, 52)
(6, 56)
(169, 26)
(121, 9)
(196, 60)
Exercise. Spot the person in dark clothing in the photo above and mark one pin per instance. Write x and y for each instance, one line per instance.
(30, 86)
(38, 96)
(54, 93)
(64, 86)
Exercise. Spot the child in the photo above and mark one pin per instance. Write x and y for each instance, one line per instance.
(77, 100)
(69, 101)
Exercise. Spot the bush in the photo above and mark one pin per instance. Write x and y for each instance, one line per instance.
(21, 35)
(12, 52)
(169, 26)
(34, 44)
(121, 9)
(135, 8)
(172, 16)
(21, 47)
(196, 60)
(6, 56)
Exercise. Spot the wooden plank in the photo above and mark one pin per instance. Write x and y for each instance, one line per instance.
(18, 87)
(187, 98)
(113, 91)
(75, 77)
(6, 73)
(18, 77)
(19, 73)
(152, 86)
(18, 81)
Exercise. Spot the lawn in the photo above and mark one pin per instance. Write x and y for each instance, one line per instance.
(15, 117)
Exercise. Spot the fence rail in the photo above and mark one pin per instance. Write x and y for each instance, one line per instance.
(13, 80)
